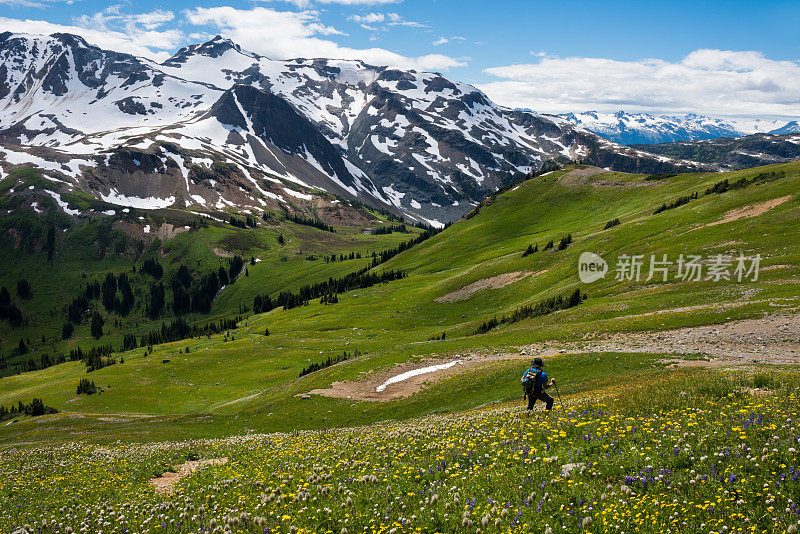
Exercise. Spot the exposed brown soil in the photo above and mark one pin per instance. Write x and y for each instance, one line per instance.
(581, 176)
(495, 282)
(166, 482)
(221, 252)
(365, 388)
(774, 339)
(135, 230)
(775, 267)
(749, 211)
(168, 231)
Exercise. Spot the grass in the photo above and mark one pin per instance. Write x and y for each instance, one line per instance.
(235, 384)
(652, 448)
(631, 456)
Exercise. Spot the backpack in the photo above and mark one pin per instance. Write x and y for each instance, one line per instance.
(532, 383)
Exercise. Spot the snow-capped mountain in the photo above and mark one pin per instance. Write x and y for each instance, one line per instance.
(218, 127)
(642, 128)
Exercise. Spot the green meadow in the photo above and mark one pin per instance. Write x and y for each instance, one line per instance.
(242, 380)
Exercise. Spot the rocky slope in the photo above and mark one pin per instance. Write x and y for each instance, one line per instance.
(216, 127)
(734, 153)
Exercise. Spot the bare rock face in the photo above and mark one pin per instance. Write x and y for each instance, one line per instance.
(218, 127)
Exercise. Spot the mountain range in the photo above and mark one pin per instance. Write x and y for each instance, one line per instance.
(642, 128)
(217, 128)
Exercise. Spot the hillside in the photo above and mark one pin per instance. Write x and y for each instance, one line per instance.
(139, 270)
(453, 285)
(734, 153)
(216, 126)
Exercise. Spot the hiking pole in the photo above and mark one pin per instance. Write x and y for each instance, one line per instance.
(560, 402)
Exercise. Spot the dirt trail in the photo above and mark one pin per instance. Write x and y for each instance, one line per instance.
(773, 339)
(495, 282)
(166, 482)
(748, 211)
(583, 176)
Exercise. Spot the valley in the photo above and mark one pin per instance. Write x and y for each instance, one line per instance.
(240, 294)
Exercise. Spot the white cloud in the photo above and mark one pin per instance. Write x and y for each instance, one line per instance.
(445, 40)
(149, 44)
(391, 19)
(369, 18)
(714, 82)
(143, 29)
(24, 3)
(358, 2)
(287, 35)
(305, 4)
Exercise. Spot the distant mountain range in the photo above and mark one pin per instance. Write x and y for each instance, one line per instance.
(217, 128)
(641, 128)
(733, 152)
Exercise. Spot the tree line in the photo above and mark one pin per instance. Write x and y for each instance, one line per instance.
(544, 307)
(680, 201)
(327, 362)
(355, 280)
(34, 409)
(386, 230)
(309, 221)
(562, 245)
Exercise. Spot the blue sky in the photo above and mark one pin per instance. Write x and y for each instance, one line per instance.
(731, 58)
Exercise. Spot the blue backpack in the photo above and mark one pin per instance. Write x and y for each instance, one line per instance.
(532, 383)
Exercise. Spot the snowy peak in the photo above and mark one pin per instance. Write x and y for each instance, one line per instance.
(790, 127)
(217, 127)
(214, 48)
(642, 128)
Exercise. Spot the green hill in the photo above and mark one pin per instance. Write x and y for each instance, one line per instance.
(241, 380)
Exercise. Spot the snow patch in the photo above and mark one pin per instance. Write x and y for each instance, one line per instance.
(146, 203)
(416, 372)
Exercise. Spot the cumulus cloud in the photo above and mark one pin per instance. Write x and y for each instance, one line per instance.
(287, 35)
(144, 42)
(305, 4)
(714, 82)
(369, 18)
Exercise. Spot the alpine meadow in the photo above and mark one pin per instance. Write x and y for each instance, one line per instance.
(280, 280)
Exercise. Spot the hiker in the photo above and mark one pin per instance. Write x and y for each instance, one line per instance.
(535, 382)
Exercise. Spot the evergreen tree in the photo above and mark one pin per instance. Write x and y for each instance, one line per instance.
(97, 326)
(50, 242)
(67, 330)
(565, 242)
(24, 289)
(528, 251)
(157, 299)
